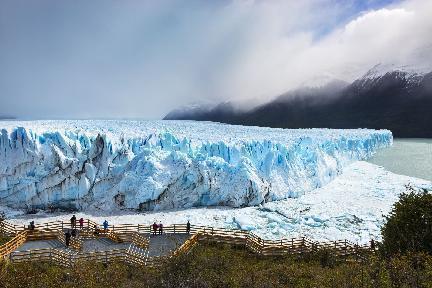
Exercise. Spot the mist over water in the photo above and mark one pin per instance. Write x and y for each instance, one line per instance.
(412, 157)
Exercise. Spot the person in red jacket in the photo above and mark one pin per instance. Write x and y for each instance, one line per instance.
(81, 222)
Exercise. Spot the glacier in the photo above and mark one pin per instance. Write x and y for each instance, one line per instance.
(352, 206)
(159, 165)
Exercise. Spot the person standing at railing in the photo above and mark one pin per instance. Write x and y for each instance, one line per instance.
(160, 228)
(96, 230)
(372, 244)
(67, 238)
(155, 227)
(81, 222)
(188, 227)
(105, 225)
(73, 222)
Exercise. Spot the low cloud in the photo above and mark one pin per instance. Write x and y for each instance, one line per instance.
(397, 35)
(129, 59)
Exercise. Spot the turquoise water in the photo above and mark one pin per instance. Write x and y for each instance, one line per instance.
(412, 157)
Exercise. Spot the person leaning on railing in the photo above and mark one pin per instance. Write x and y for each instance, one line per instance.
(105, 225)
(188, 227)
(73, 221)
(81, 222)
(160, 228)
(155, 227)
(31, 226)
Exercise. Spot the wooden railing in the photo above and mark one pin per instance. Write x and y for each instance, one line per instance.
(188, 245)
(133, 234)
(102, 256)
(114, 236)
(47, 254)
(140, 241)
(74, 242)
(8, 228)
(13, 244)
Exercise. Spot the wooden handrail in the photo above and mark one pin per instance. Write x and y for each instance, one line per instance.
(13, 244)
(131, 233)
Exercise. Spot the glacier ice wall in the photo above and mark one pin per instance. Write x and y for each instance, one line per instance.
(153, 165)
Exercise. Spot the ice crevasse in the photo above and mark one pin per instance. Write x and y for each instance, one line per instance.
(155, 165)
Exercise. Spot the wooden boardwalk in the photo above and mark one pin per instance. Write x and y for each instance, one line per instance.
(136, 245)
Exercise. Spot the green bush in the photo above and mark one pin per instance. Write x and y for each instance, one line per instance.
(224, 266)
(409, 224)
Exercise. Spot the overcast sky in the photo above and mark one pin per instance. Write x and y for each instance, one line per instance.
(140, 59)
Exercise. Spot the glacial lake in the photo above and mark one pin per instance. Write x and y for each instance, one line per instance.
(412, 157)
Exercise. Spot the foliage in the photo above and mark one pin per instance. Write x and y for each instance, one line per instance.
(409, 224)
(224, 266)
(4, 239)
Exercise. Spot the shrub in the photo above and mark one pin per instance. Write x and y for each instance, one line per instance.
(409, 224)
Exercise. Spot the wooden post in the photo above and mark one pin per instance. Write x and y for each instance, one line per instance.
(62, 225)
(303, 244)
(174, 228)
(138, 228)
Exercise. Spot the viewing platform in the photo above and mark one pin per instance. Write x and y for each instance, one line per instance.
(137, 244)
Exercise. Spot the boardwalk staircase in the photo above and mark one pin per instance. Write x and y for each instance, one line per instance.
(137, 252)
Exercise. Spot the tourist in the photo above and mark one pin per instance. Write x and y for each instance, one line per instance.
(155, 227)
(73, 221)
(67, 238)
(74, 233)
(81, 222)
(372, 244)
(96, 230)
(160, 228)
(188, 227)
(32, 225)
(105, 225)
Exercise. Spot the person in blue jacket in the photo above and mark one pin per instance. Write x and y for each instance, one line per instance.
(105, 225)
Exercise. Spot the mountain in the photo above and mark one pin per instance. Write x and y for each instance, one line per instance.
(6, 117)
(399, 100)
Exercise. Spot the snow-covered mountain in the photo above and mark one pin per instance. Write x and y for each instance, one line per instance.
(386, 96)
(407, 75)
(151, 165)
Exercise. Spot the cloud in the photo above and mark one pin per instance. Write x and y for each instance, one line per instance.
(398, 35)
(130, 59)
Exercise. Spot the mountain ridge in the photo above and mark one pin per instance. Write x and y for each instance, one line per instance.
(398, 100)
